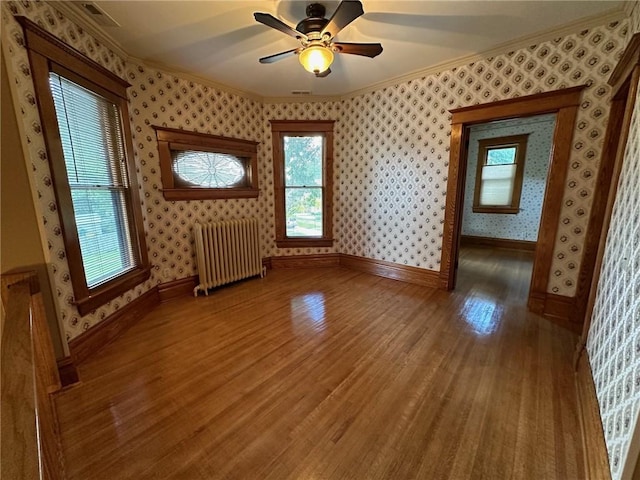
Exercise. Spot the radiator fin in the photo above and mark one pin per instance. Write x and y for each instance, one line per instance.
(227, 251)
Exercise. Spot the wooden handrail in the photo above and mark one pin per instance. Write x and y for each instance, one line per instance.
(29, 432)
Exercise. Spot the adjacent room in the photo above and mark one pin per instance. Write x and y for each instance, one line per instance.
(337, 239)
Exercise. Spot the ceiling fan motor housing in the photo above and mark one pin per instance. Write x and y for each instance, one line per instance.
(315, 20)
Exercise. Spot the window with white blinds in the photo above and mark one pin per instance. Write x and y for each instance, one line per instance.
(85, 125)
(499, 174)
(94, 156)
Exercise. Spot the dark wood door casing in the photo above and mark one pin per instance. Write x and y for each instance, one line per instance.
(564, 103)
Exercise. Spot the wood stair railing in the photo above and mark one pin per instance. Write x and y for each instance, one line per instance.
(29, 431)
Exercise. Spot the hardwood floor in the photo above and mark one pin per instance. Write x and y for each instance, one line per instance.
(329, 373)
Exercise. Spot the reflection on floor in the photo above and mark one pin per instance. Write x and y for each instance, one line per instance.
(328, 373)
(491, 279)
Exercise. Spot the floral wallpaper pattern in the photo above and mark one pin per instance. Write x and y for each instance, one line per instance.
(391, 151)
(390, 176)
(614, 336)
(523, 225)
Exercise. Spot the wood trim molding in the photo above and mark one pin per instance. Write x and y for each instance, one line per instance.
(177, 288)
(279, 129)
(596, 461)
(305, 261)
(87, 343)
(67, 371)
(381, 268)
(29, 377)
(48, 54)
(536, 104)
(565, 103)
(48, 45)
(520, 143)
(556, 308)
(173, 188)
(472, 240)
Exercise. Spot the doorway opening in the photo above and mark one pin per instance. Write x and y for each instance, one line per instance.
(506, 175)
(564, 104)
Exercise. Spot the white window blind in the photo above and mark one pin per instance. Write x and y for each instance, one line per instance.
(93, 147)
(498, 177)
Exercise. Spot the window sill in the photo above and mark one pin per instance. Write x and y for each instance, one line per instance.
(101, 295)
(304, 242)
(177, 194)
(507, 210)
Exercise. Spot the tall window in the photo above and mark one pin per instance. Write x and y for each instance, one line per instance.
(303, 167)
(499, 174)
(84, 117)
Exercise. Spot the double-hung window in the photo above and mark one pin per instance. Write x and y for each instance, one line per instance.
(85, 122)
(499, 174)
(303, 166)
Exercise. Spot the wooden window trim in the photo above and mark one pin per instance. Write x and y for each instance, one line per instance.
(520, 142)
(48, 54)
(279, 129)
(171, 139)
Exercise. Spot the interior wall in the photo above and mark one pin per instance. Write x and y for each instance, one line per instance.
(524, 224)
(395, 148)
(614, 335)
(19, 70)
(392, 149)
(20, 243)
(159, 98)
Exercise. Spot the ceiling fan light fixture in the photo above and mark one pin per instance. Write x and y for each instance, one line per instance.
(316, 58)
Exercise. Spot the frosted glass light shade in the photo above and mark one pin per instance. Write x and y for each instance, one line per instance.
(316, 58)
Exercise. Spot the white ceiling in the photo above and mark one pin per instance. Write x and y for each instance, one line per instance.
(221, 41)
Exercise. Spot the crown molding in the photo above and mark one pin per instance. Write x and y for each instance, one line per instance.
(302, 99)
(73, 12)
(169, 70)
(522, 42)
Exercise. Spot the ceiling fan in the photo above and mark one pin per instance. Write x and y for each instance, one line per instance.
(315, 34)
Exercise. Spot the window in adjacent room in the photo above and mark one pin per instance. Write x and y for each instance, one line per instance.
(303, 166)
(199, 166)
(499, 174)
(84, 116)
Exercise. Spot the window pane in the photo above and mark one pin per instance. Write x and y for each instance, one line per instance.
(209, 169)
(497, 184)
(303, 212)
(92, 144)
(90, 133)
(303, 161)
(104, 239)
(501, 156)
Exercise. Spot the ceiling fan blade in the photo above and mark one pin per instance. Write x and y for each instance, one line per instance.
(364, 49)
(279, 56)
(271, 21)
(347, 12)
(323, 74)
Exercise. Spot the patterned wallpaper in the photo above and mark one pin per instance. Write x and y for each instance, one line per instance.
(395, 146)
(523, 225)
(19, 72)
(391, 151)
(614, 336)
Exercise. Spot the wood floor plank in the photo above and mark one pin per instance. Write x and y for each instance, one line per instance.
(330, 373)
